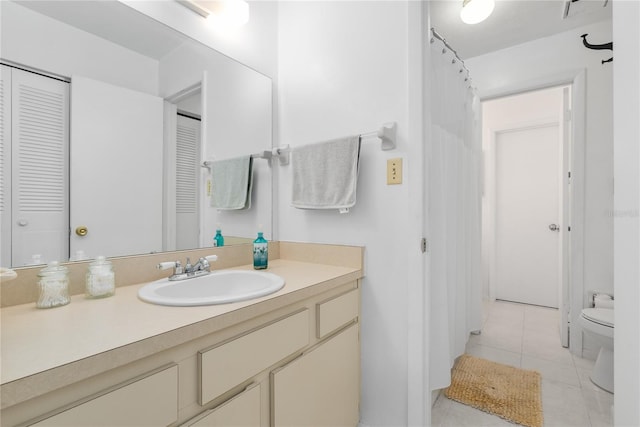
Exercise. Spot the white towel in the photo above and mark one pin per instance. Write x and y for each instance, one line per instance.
(325, 175)
(231, 182)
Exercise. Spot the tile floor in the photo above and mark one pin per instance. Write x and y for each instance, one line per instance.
(528, 337)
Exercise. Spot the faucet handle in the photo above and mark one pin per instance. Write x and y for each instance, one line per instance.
(171, 264)
(203, 263)
(167, 265)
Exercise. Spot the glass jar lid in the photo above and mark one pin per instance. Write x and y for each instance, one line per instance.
(53, 268)
(100, 261)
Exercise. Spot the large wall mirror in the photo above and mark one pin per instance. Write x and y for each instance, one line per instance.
(107, 119)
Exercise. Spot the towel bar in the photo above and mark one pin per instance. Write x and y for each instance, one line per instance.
(386, 134)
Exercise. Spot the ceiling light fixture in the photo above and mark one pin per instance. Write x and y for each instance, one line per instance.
(231, 13)
(474, 11)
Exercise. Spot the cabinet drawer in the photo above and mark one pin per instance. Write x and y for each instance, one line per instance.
(336, 312)
(150, 400)
(229, 364)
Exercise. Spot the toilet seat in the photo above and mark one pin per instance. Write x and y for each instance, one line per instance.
(598, 320)
(602, 316)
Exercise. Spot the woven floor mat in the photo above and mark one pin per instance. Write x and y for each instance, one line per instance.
(510, 393)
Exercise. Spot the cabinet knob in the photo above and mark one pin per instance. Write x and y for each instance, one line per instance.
(82, 230)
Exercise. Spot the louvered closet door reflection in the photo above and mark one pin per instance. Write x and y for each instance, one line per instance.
(5, 166)
(187, 178)
(40, 168)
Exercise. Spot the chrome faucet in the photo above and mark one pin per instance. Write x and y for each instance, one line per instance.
(201, 268)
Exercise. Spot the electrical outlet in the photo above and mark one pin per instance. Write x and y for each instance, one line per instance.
(394, 171)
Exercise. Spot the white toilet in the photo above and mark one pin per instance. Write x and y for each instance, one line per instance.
(598, 323)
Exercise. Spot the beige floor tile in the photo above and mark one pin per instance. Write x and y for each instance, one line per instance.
(583, 363)
(551, 371)
(545, 345)
(495, 354)
(501, 335)
(528, 337)
(542, 319)
(459, 415)
(600, 407)
(563, 405)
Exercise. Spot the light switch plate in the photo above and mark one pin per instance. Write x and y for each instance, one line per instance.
(394, 171)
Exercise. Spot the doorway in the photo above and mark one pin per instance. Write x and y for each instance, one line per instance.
(188, 193)
(526, 141)
(182, 184)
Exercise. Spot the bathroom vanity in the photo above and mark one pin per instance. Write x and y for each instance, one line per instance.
(290, 358)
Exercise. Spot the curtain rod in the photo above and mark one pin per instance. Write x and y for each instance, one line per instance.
(448, 46)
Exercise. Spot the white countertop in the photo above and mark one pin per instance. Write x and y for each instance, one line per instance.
(35, 341)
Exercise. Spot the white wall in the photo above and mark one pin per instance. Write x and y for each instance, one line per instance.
(35, 40)
(343, 69)
(626, 39)
(553, 58)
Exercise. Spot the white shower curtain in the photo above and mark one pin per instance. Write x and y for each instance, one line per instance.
(454, 182)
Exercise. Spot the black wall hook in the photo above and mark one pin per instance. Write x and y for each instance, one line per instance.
(602, 46)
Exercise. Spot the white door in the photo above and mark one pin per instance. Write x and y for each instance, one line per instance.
(527, 213)
(116, 153)
(35, 144)
(187, 180)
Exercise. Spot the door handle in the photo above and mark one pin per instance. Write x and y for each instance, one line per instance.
(554, 227)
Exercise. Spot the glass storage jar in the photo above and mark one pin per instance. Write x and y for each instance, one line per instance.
(101, 281)
(53, 285)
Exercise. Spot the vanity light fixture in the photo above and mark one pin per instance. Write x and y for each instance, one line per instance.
(230, 13)
(474, 11)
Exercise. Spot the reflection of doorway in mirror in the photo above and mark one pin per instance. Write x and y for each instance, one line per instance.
(182, 177)
(187, 182)
(34, 167)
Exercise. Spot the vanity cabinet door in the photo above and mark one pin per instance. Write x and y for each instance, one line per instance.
(242, 410)
(321, 387)
(151, 400)
(226, 366)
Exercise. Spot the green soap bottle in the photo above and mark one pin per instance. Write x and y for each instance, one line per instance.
(218, 239)
(260, 252)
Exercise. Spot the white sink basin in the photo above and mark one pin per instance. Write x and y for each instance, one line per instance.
(219, 287)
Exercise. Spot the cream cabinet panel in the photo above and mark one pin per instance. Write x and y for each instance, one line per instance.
(337, 312)
(149, 401)
(322, 387)
(228, 365)
(243, 410)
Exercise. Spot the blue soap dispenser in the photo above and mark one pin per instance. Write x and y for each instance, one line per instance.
(218, 239)
(260, 252)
